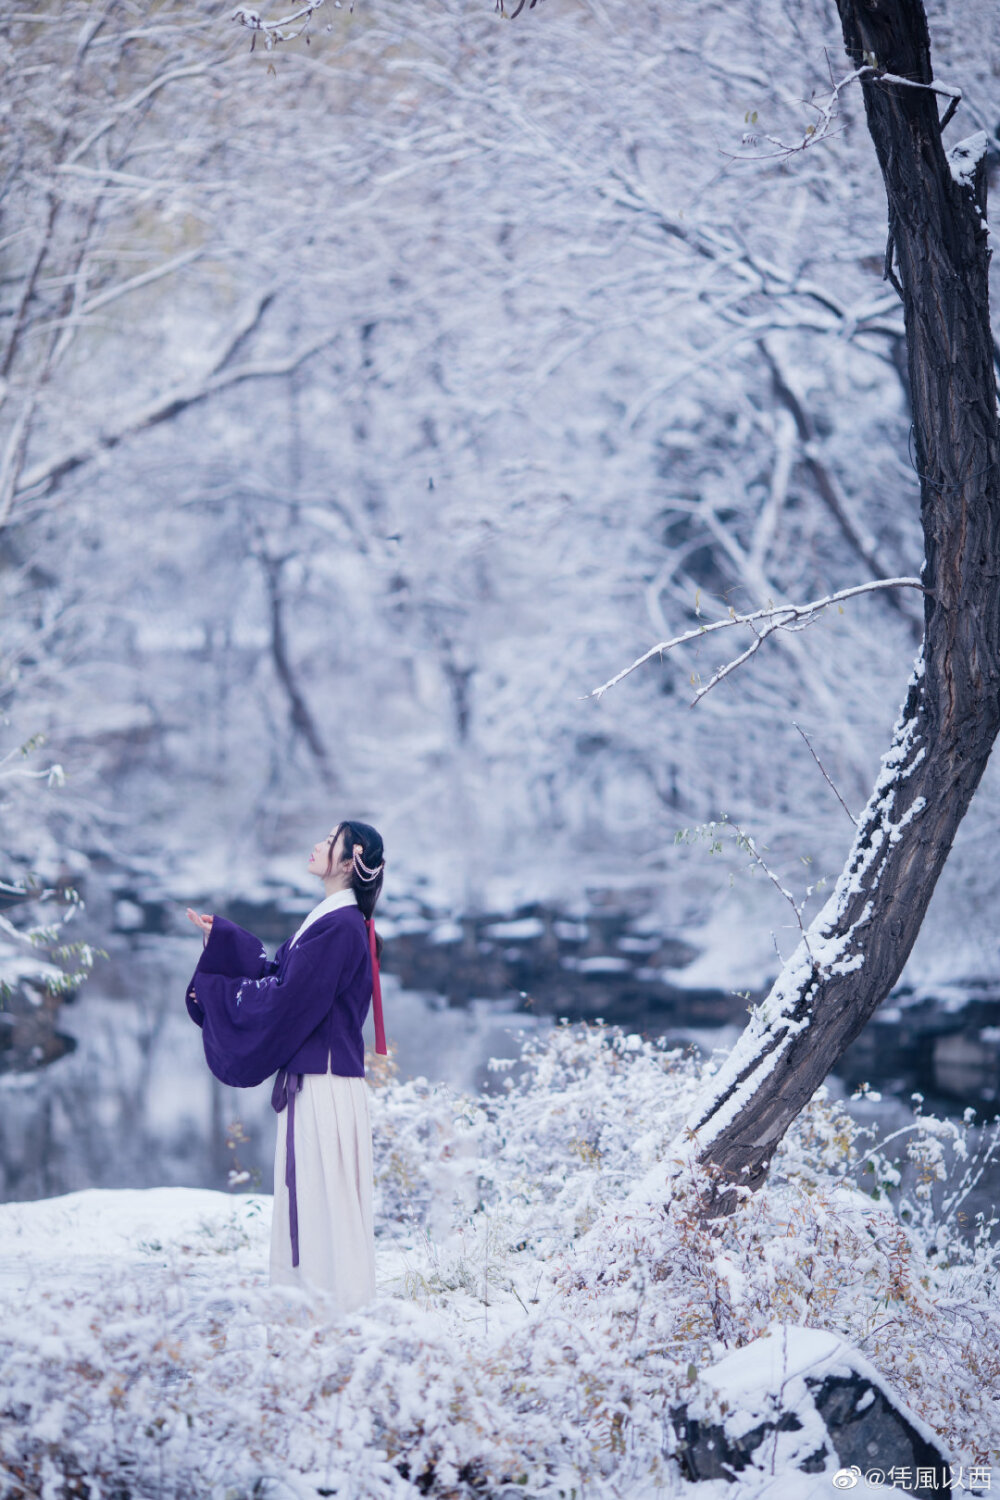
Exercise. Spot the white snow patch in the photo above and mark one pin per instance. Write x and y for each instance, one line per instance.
(521, 930)
(602, 963)
(965, 156)
(736, 950)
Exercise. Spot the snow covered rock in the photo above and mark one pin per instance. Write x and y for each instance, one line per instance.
(801, 1399)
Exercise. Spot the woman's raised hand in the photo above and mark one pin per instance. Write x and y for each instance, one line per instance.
(203, 922)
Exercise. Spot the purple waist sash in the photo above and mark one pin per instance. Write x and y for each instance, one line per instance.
(286, 1086)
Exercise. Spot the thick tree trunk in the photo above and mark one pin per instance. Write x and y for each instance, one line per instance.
(856, 948)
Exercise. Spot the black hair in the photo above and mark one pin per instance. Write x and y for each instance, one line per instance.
(366, 892)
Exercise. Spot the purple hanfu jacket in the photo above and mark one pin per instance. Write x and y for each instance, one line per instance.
(302, 1011)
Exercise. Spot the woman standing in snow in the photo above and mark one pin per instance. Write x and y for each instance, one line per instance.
(302, 1013)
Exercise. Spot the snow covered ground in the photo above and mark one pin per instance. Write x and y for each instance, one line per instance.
(533, 1330)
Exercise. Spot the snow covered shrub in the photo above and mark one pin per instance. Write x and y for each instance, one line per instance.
(426, 1144)
(38, 902)
(899, 1281)
(548, 1294)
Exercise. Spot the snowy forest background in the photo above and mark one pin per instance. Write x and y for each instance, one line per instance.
(366, 404)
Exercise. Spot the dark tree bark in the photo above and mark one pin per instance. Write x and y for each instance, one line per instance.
(856, 948)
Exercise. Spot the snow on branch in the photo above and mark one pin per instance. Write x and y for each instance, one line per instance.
(827, 110)
(286, 29)
(762, 622)
(53, 775)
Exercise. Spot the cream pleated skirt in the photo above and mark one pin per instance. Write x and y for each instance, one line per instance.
(333, 1166)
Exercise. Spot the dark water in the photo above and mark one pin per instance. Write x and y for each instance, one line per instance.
(944, 1045)
(112, 1090)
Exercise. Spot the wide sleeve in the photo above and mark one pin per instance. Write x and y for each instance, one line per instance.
(230, 951)
(252, 1026)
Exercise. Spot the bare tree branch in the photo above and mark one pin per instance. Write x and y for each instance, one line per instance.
(286, 29)
(828, 116)
(300, 715)
(775, 617)
(188, 393)
(130, 105)
(825, 772)
(517, 9)
(826, 485)
(145, 278)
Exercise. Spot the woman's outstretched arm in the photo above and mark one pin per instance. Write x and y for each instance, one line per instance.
(229, 951)
(252, 1026)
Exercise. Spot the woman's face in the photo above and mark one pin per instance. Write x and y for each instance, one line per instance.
(320, 856)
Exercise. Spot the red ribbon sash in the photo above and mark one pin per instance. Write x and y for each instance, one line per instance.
(380, 1046)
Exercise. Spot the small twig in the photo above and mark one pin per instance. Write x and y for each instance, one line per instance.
(759, 638)
(778, 617)
(872, 1332)
(275, 31)
(745, 841)
(716, 830)
(826, 773)
(826, 109)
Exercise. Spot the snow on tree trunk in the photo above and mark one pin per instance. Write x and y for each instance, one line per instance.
(854, 951)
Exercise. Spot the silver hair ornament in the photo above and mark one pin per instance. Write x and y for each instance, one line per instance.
(366, 874)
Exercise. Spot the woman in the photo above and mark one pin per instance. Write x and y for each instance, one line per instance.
(302, 1013)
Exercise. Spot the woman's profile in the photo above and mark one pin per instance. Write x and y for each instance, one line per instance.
(301, 1014)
